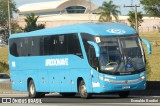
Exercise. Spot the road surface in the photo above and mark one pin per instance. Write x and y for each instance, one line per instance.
(96, 100)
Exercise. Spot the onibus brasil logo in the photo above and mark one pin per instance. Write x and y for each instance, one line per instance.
(116, 31)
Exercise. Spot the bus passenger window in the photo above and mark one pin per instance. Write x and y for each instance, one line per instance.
(62, 44)
(25, 46)
(13, 47)
(50, 45)
(61, 39)
(74, 45)
(37, 46)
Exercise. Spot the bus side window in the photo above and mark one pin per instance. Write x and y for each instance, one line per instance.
(16, 47)
(50, 45)
(36, 44)
(93, 60)
(74, 45)
(62, 44)
(13, 47)
(90, 52)
(25, 46)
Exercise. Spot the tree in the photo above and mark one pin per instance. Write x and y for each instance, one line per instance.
(152, 7)
(4, 29)
(15, 27)
(31, 23)
(4, 12)
(107, 10)
(131, 18)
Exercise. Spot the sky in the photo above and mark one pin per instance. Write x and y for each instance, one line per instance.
(120, 3)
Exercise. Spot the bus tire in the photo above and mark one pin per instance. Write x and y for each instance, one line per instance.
(32, 90)
(82, 90)
(124, 94)
(68, 94)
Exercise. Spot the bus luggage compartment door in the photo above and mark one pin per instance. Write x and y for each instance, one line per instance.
(43, 81)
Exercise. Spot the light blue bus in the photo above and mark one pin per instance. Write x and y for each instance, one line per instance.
(88, 58)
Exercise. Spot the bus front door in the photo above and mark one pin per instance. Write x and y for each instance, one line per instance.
(93, 60)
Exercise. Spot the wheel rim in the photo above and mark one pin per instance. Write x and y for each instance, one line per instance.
(32, 89)
(83, 90)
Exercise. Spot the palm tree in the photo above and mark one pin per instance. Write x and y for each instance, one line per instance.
(31, 23)
(131, 18)
(107, 10)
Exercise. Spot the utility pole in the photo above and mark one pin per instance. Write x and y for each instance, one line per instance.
(90, 11)
(9, 18)
(136, 20)
(132, 5)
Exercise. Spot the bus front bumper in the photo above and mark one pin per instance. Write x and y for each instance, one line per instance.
(122, 85)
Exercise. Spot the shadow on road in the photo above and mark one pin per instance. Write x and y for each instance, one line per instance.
(152, 89)
(153, 85)
(98, 96)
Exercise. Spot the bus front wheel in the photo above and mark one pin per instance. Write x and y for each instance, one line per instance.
(32, 90)
(82, 89)
(124, 94)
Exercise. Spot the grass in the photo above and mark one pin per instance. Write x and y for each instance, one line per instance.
(4, 54)
(153, 59)
(4, 60)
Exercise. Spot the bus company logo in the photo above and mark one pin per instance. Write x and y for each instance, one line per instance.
(56, 62)
(116, 31)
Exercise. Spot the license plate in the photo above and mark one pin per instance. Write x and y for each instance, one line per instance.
(126, 87)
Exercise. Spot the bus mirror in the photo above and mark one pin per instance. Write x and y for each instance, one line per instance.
(96, 47)
(149, 47)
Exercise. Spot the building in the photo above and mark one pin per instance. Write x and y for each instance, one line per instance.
(63, 12)
(58, 7)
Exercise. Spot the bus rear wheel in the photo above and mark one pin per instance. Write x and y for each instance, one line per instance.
(32, 90)
(82, 89)
(124, 94)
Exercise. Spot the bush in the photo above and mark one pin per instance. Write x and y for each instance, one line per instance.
(4, 67)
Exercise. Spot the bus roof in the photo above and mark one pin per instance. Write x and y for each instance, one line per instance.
(100, 29)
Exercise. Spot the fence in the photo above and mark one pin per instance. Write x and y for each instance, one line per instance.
(56, 23)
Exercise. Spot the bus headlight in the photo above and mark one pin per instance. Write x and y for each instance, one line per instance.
(143, 77)
(104, 79)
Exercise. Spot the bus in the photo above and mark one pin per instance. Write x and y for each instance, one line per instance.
(87, 58)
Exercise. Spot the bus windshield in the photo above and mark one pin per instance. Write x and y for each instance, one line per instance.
(121, 55)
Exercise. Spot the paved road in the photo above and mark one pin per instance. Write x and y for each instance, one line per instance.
(101, 100)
